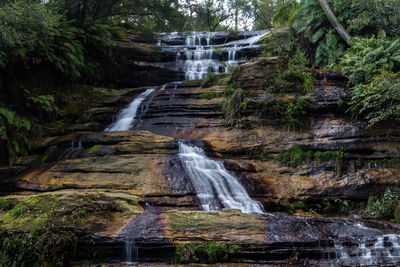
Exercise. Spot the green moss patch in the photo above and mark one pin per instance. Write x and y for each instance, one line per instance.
(92, 150)
(89, 211)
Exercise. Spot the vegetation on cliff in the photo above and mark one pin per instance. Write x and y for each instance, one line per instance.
(54, 53)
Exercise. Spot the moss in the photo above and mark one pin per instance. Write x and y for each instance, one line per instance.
(273, 42)
(92, 150)
(210, 95)
(291, 76)
(65, 209)
(216, 79)
(233, 106)
(207, 253)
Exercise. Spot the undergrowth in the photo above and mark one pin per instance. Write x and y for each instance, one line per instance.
(297, 156)
(206, 253)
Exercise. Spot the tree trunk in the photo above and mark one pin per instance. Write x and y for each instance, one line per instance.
(334, 21)
(236, 18)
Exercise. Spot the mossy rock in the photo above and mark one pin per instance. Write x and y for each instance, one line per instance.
(91, 211)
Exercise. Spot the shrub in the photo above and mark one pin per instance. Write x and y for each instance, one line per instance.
(369, 56)
(294, 114)
(296, 156)
(13, 134)
(379, 100)
(39, 247)
(335, 206)
(386, 207)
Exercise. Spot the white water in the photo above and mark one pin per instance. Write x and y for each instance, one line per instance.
(199, 57)
(127, 116)
(198, 62)
(73, 151)
(385, 251)
(213, 183)
(131, 252)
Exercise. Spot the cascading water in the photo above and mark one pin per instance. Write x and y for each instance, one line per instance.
(73, 151)
(199, 56)
(214, 185)
(127, 116)
(131, 252)
(385, 251)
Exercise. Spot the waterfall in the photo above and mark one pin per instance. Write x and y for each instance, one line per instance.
(199, 56)
(131, 252)
(213, 183)
(73, 151)
(385, 251)
(127, 116)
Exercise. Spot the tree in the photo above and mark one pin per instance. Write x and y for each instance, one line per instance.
(334, 21)
(210, 15)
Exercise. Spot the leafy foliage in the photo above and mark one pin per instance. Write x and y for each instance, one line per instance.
(369, 56)
(39, 247)
(386, 207)
(291, 76)
(285, 12)
(13, 134)
(33, 34)
(294, 114)
(297, 156)
(379, 100)
(311, 23)
(361, 18)
(204, 252)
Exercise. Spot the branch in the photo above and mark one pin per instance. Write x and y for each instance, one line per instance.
(334, 21)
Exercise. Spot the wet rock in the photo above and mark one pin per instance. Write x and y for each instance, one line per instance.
(88, 211)
(225, 226)
(256, 73)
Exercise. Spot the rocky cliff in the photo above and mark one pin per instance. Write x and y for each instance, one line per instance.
(106, 187)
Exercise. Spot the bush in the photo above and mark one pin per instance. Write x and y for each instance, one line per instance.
(291, 76)
(379, 100)
(13, 135)
(296, 156)
(369, 56)
(387, 207)
(294, 114)
(40, 247)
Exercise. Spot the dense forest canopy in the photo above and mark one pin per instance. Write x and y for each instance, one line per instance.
(47, 47)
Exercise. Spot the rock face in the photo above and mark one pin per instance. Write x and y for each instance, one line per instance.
(116, 188)
(151, 64)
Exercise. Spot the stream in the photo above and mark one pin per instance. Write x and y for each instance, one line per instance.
(198, 55)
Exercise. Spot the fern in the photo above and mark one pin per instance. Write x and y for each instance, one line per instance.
(379, 100)
(368, 56)
(360, 17)
(13, 132)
